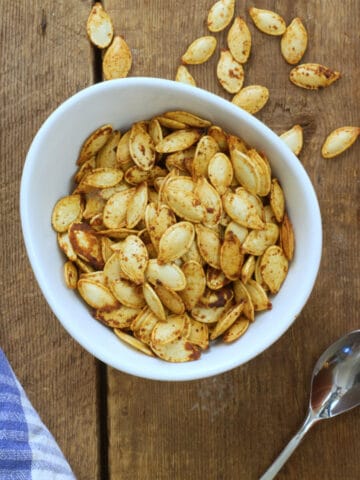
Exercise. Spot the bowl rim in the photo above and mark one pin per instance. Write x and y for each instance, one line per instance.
(204, 95)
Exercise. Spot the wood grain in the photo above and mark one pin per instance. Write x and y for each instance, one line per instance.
(233, 425)
(45, 58)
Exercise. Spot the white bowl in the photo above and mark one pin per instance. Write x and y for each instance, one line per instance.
(50, 165)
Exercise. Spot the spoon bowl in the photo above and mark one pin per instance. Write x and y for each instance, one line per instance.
(336, 378)
(335, 389)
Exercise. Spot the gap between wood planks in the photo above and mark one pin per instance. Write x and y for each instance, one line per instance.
(102, 420)
(101, 367)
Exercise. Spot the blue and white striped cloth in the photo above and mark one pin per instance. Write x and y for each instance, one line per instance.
(28, 451)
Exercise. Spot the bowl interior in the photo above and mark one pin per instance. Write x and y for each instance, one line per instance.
(50, 165)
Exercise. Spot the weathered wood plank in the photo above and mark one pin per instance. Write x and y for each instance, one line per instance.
(45, 57)
(233, 425)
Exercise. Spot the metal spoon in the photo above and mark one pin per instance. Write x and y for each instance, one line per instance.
(335, 388)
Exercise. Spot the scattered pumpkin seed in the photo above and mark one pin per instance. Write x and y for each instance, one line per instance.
(184, 76)
(200, 50)
(294, 42)
(294, 139)
(230, 73)
(220, 15)
(99, 26)
(117, 59)
(313, 76)
(267, 21)
(339, 140)
(239, 40)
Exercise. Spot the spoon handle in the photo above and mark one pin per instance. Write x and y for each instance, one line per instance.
(289, 449)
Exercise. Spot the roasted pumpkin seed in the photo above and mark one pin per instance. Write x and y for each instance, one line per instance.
(241, 294)
(127, 293)
(184, 76)
(252, 98)
(166, 332)
(313, 76)
(65, 245)
(117, 59)
(230, 73)
(134, 258)
(258, 240)
(294, 42)
(215, 278)
(120, 317)
(240, 209)
(200, 50)
(248, 269)
(141, 147)
(178, 140)
(208, 314)
(220, 136)
(195, 283)
(267, 21)
(294, 139)
(86, 244)
(258, 296)
(239, 40)
(220, 15)
(123, 156)
(137, 205)
(170, 123)
(70, 275)
(106, 156)
(206, 148)
(339, 140)
(66, 211)
(153, 301)
(179, 350)
(220, 172)
(277, 200)
(115, 210)
(99, 26)
(169, 275)
(274, 268)
(145, 328)
(226, 321)
(210, 200)
(236, 330)
(94, 143)
(199, 334)
(188, 119)
(231, 256)
(262, 166)
(287, 239)
(246, 171)
(186, 206)
(100, 178)
(239, 231)
(133, 342)
(175, 241)
(96, 295)
(170, 299)
(209, 245)
(158, 221)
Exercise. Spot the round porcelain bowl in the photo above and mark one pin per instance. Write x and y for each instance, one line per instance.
(47, 174)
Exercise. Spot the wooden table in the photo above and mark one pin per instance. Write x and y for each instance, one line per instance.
(109, 424)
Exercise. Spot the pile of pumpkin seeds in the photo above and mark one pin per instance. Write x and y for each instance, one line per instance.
(175, 234)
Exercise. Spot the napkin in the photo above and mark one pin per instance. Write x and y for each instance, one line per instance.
(28, 451)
